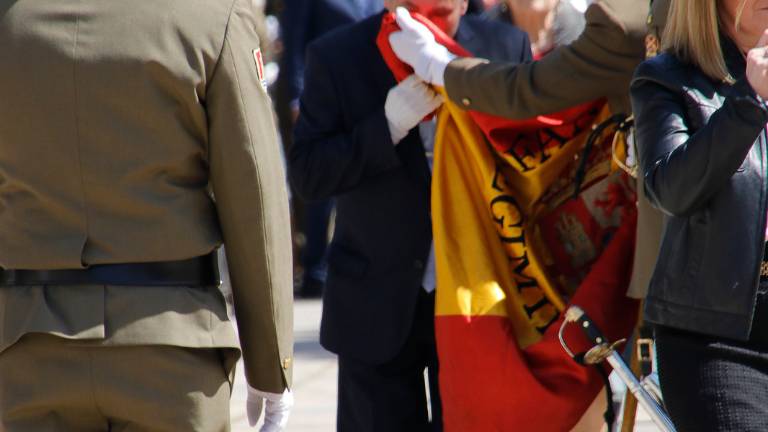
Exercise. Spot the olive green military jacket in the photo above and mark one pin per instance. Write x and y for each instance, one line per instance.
(119, 123)
(599, 63)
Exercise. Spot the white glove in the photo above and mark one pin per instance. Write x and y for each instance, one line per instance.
(278, 408)
(407, 104)
(416, 45)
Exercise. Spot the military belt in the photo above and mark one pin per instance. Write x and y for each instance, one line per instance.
(194, 272)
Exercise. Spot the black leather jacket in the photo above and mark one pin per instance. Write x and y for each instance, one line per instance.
(702, 149)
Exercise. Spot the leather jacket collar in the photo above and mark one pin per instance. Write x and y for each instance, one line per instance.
(734, 59)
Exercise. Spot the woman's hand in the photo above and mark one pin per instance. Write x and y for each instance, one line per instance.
(757, 67)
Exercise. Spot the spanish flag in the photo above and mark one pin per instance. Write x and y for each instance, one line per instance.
(528, 217)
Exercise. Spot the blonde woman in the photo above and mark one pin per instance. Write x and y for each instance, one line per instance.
(701, 128)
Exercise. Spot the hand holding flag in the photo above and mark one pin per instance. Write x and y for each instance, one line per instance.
(415, 45)
(407, 104)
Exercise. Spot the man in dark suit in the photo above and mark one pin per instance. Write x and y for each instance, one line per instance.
(360, 139)
(303, 21)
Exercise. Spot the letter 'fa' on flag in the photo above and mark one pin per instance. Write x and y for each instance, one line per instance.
(525, 220)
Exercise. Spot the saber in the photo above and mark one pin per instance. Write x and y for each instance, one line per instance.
(646, 392)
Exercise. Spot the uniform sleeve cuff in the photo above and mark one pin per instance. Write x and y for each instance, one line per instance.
(456, 83)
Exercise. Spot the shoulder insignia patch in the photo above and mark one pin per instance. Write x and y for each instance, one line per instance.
(260, 67)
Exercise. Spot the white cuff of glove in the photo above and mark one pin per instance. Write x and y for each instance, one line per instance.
(439, 59)
(276, 409)
(415, 45)
(396, 133)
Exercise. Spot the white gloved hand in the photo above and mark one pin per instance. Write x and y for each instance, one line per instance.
(407, 104)
(278, 408)
(416, 45)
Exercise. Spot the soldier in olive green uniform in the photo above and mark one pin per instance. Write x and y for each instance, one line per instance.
(119, 124)
(599, 63)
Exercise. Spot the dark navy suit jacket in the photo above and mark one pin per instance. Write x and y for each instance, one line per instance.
(342, 148)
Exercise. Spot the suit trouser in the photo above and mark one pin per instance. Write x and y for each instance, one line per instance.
(50, 384)
(391, 397)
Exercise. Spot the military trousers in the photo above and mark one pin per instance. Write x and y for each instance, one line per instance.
(53, 384)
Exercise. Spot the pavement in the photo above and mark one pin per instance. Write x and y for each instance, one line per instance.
(314, 381)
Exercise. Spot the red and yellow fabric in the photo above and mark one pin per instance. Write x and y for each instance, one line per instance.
(513, 248)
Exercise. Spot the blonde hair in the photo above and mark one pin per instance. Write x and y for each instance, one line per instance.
(693, 34)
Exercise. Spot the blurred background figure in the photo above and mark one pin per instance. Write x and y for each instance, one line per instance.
(549, 23)
(301, 22)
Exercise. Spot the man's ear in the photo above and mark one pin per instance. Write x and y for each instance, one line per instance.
(464, 6)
